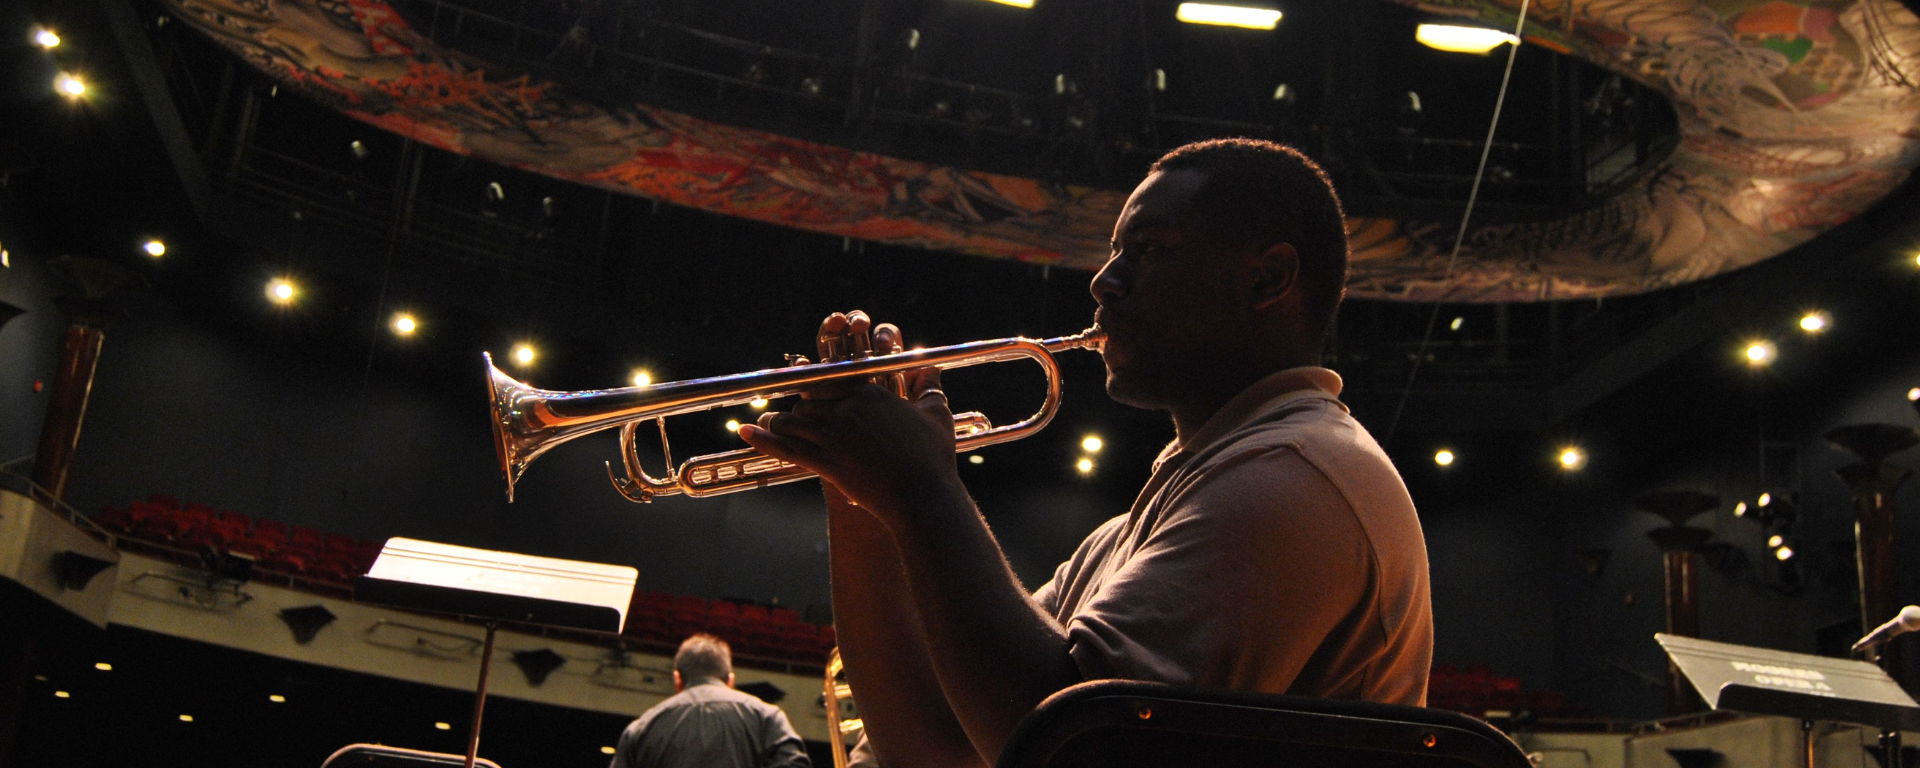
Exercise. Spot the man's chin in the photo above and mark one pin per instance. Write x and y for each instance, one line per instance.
(1127, 391)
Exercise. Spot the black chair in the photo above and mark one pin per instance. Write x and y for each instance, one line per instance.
(380, 756)
(1130, 724)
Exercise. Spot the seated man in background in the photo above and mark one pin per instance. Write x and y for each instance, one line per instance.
(708, 724)
(1274, 547)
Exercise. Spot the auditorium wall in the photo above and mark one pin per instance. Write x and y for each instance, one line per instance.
(184, 406)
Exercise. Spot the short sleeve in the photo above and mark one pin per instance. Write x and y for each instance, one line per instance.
(1245, 572)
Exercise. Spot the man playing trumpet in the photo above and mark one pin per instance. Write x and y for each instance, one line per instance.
(1274, 548)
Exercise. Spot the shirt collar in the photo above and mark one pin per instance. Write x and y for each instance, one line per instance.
(1263, 396)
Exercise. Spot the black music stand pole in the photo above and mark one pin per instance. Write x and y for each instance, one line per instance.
(480, 695)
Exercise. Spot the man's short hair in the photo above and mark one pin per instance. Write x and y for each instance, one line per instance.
(1262, 192)
(703, 657)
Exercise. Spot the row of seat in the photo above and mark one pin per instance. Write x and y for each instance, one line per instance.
(330, 561)
(752, 629)
(1477, 691)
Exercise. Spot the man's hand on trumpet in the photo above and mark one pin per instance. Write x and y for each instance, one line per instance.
(882, 450)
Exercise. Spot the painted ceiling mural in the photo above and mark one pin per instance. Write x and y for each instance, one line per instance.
(1795, 115)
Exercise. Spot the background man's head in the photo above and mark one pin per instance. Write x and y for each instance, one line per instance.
(703, 657)
(1258, 193)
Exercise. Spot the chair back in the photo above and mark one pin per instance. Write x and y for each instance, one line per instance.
(1132, 724)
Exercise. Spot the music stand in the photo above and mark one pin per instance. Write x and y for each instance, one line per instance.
(1797, 685)
(493, 587)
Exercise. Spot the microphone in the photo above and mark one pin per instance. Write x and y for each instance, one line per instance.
(1907, 621)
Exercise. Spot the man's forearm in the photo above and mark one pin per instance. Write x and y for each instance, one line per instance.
(995, 654)
(885, 651)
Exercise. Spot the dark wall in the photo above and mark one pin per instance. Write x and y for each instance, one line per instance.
(269, 423)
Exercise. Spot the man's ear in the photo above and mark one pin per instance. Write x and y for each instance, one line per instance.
(1276, 274)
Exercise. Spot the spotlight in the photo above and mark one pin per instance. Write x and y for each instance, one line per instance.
(103, 666)
(1572, 458)
(1760, 353)
(606, 750)
(155, 248)
(186, 718)
(1084, 465)
(1228, 15)
(404, 324)
(1740, 509)
(1774, 541)
(1160, 80)
(1457, 39)
(281, 291)
(358, 148)
(442, 727)
(758, 403)
(524, 353)
(46, 39)
(1457, 322)
(1092, 444)
(1443, 457)
(976, 459)
(276, 698)
(62, 695)
(1783, 554)
(1815, 322)
(1913, 395)
(70, 85)
(1285, 94)
(1765, 499)
(733, 425)
(1014, 3)
(642, 379)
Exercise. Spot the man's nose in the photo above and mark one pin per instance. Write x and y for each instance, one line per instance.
(1107, 286)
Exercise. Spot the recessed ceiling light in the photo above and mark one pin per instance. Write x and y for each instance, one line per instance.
(1228, 15)
(1458, 39)
(47, 39)
(1443, 457)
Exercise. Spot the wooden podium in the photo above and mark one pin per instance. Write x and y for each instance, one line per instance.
(492, 587)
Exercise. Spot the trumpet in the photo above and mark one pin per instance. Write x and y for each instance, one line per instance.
(528, 421)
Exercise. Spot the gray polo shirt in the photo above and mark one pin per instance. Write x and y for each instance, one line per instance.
(710, 725)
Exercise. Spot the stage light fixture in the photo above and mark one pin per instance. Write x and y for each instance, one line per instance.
(1228, 15)
(1443, 457)
(1774, 541)
(607, 750)
(976, 459)
(70, 86)
(62, 695)
(186, 718)
(1783, 554)
(276, 698)
(642, 378)
(1760, 353)
(1014, 3)
(758, 403)
(1740, 509)
(1572, 458)
(103, 666)
(1815, 322)
(1913, 395)
(155, 248)
(281, 291)
(1765, 499)
(1092, 444)
(46, 39)
(524, 353)
(443, 726)
(404, 324)
(733, 425)
(1084, 466)
(1457, 39)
